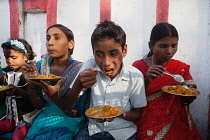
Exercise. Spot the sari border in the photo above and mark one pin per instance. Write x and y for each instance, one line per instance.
(154, 95)
(162, 133)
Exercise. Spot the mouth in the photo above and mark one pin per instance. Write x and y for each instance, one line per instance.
(108, 71)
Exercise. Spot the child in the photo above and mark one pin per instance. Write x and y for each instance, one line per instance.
(17, 98)
(55, 121)
(118, 85)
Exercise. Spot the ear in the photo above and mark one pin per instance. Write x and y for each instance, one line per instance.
(71, 44)
(25, 57)
(124, 51)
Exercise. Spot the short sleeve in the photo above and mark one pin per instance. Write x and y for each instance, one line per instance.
(138, 96)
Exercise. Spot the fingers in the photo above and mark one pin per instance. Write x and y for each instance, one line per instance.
(100, 120)
(155, 71)
(87, 78)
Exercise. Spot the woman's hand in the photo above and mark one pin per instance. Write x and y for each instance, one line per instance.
(154, 72)
(30, 69)
(186, 100)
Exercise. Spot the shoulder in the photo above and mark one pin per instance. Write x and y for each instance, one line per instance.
(89, 63)
(133, 72)
(179, 63)
(137, 63)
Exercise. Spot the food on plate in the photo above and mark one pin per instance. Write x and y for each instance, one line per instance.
(50, 76)
(103, 111)
(180, 90)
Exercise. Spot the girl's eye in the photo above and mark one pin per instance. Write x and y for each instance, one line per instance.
(48, 38)
(57, 38)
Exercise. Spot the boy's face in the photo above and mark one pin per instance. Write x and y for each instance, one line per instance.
(108, 56)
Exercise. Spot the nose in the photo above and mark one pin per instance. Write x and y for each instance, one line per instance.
(107, 61)
(50, 42)
(8, 60)
(169, 50)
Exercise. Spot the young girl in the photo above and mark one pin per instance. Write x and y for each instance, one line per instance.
(17, 99)
(56, 121)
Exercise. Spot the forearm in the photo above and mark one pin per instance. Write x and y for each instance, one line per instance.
(131, 115)
(72, 112)
(72, 96)
(35, 99)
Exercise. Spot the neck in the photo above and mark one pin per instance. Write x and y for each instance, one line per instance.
(61, 61)
(156, 63)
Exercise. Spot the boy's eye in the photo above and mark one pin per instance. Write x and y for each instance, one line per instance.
(113, 54)
(99, 55)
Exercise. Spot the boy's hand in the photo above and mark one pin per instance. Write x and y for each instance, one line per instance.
(87, 78)
(104, 120)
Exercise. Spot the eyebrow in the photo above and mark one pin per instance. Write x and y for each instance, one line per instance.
(55, 34)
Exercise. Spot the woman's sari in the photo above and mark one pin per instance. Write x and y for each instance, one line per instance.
(164, 117)
(52, 122)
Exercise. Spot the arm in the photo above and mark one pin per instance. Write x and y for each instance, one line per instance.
(152, 73)
(85, 79)
(2, 79)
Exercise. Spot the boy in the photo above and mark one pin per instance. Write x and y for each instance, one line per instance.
(117, 85)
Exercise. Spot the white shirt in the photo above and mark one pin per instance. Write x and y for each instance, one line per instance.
(126, 90)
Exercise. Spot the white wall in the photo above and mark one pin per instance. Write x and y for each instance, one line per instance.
(4, 28)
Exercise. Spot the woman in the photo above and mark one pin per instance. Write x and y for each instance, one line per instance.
(56, 121)
(165, 116)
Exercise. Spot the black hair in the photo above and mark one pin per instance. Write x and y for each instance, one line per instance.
(108, 30)
(68, 33)
(160, 31)
(30, 54)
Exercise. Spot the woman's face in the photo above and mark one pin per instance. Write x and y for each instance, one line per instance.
(164, 50)
(57, 43)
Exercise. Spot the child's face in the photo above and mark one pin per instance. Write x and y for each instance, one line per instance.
(14, 59)
(109, 55)
(57, 43)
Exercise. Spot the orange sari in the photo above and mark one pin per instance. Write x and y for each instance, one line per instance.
(164, 117)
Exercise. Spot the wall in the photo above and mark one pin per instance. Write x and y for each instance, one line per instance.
(136, 17)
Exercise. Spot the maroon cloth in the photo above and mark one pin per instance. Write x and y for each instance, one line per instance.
(164, 117)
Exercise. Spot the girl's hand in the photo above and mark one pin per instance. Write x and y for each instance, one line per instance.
(154, 72)
(49, 89)
(30, 69)
(13, 89)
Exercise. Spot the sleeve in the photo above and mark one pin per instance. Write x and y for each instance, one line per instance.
(138, 96)
(88, 64)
